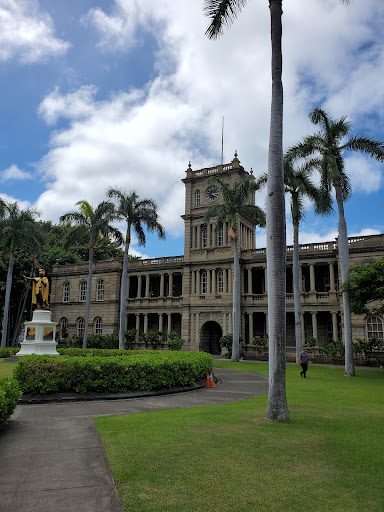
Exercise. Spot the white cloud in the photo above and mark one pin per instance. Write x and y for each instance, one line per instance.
(24, 205)
(366, 175)
(13, 173)
(27, 33)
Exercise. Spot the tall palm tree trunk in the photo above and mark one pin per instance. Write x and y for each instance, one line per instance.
(296, 289)
(8, 288)
(23, 301)
(89, 294)
(344, 269)
(123, 294)
(277, 408)
(236, 303)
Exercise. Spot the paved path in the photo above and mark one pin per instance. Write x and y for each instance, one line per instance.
(51, 458)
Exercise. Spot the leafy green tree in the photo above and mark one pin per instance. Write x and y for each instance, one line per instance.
(235, 203)
(223, 13)
(365, 287)
(18, 230)
(91, 223)
(331, 145)
(136, 213)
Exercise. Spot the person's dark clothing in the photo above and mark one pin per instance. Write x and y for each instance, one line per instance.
(303, 373)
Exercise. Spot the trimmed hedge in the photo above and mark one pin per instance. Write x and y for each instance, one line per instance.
(9, 396)
(100, 352)
(8, 351)
(144, 371)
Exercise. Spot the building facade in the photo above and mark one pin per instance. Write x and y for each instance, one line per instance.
(192, 294)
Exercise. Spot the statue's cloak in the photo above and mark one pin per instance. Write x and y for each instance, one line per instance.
(40, 285)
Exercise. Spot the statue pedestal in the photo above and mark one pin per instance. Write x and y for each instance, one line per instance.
(40, 334)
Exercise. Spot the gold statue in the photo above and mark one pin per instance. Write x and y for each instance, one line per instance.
(40, 290)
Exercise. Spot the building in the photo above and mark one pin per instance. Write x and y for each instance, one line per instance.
(192, 294)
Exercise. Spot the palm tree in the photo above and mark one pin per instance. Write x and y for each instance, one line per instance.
(18, 230)
(135, 213)
(298, 184)
(330, 144)
(223, 13)
(234, 204)
(91, 223)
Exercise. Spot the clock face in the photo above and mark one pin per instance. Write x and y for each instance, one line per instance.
(212, 194)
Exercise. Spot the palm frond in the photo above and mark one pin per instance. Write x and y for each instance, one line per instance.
(367, 146)
(221, 13)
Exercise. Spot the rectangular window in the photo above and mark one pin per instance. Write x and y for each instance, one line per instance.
(203, 282)
(83, 291)
(220, 237)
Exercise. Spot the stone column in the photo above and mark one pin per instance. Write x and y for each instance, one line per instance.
(197, 282)
(169, 326)
(229, 280)
(197, 333)
(146, 286)
(250, 316)
(266, 324)
(225, 282)
(208, 281)
(243, 326)
(139, 286)
(314, 324)
(162, 284)
(230, 323)
(214, 287)
(137, 326)
(193, 237)
(192, 318)
(301, 278)
(145, 322)
(161, 322)
(198, 237)
(224, 324)
(303, 329)
(335, 330)
(250, 291)
(312, 278)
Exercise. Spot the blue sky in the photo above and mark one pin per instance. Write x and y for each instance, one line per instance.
(127, 92)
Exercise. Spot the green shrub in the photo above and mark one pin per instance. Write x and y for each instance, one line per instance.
(8, 351)
(98, 352)
(260, 341)
(144, 370)
(9, 396)
(174, 342)
(334, 349)
(130, 338)
(152, 338)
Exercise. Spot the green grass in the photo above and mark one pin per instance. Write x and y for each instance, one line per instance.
(228, 458)
(6, 369)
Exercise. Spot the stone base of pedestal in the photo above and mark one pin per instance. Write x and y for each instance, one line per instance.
(40, 334)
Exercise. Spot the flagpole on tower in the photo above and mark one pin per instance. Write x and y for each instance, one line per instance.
(222, 141)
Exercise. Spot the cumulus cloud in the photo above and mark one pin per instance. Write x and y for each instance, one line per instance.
(13, 173)
(27, 33)
(24, 205)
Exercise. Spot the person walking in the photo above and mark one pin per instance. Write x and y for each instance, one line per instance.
(303, 361)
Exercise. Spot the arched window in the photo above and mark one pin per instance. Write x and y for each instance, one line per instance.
(83, 291)
(374, 328)
(219, 282)
(204, 237)
(203, 282)
(220, 237)
(80, 326)
(100, 289)
(63, 325)
(98, 325)
(197, 198)
(66, 292)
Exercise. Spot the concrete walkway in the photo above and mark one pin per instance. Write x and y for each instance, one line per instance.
(51, 457)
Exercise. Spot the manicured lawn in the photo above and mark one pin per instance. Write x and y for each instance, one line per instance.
(228, 458)
(6, 369)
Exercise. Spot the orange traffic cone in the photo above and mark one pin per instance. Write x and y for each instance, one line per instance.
(208, 385)
(212, 381)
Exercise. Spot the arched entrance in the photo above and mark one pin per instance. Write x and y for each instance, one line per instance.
(210, 334)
